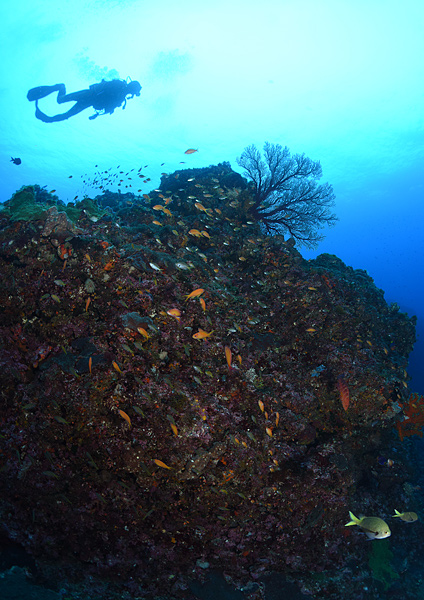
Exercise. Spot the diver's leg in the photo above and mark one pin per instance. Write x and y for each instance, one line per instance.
(73, 96)
(77, 108)
(44, 90)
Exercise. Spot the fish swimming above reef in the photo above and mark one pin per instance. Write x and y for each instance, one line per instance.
(408, 517)
(16, 161)
(174, 312)
(202, 334)
(228, 356)
(195, 293)
(344, 392)
(374, 527)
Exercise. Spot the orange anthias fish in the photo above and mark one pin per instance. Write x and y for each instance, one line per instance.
(125, 416)
(228, 356)
(174, 312)
(195, 232)
(143, 332)
(191, 151)
(202, 334)
(344, 392)
(195, 293)
(161, 464)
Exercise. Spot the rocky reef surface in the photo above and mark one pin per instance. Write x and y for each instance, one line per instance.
(182, 394)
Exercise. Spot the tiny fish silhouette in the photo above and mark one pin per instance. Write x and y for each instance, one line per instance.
(16, 161)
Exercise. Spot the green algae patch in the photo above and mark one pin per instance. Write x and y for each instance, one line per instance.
(31, 203)
(380, 556)
(23, 206)
(86, 206)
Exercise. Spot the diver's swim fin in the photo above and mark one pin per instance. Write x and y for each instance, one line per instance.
(40, 115)
(44, 90)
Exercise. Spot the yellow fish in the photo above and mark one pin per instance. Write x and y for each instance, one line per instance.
(195, 232)
(374, 527)
(408, 517)
(202, 334)
(195, 293)
(158, 207)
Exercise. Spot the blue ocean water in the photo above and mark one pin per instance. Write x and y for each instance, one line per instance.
(337, 81)
(340, 82)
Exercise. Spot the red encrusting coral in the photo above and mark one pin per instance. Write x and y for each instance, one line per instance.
(413, 422)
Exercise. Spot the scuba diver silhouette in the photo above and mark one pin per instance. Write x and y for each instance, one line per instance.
(104, 97)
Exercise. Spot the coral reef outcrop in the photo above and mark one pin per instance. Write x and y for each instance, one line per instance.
(134, 447)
